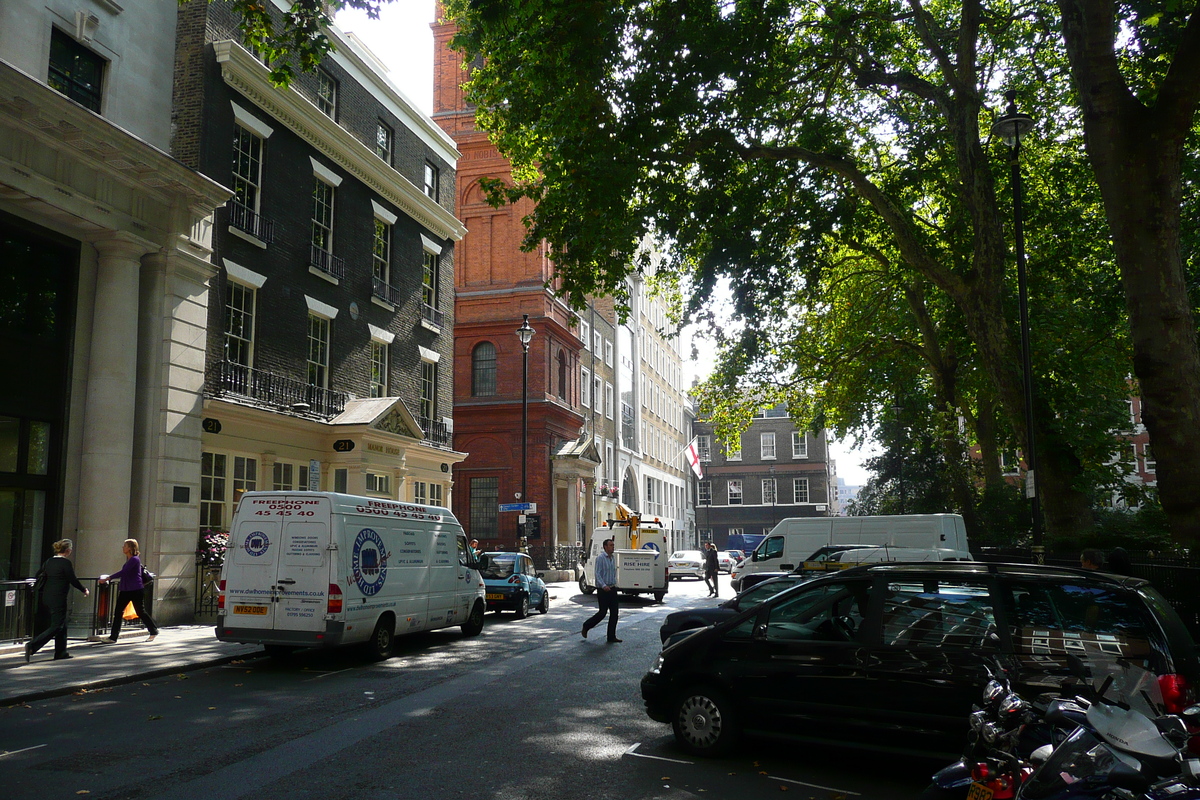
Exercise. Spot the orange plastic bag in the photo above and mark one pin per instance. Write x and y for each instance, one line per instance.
(129, 615)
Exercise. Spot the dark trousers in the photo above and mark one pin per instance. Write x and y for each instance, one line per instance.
(57, 631)
(710, 580)
(124, 599)
(609, 602)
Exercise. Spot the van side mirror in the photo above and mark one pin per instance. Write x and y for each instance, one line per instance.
(754, 556)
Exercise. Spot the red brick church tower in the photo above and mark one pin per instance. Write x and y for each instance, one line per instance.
(496, 283)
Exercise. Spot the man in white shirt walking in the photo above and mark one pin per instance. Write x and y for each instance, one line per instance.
(606, 593)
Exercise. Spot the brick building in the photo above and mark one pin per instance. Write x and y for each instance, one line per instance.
(329, 338)
(774, 471)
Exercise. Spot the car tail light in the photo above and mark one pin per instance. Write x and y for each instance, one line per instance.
(514, 579)
(221, 596)
(1176, 693)
(334, 604)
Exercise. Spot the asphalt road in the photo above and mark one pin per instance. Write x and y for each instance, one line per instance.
(527, 710)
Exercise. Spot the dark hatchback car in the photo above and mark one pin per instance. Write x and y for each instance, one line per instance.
(693, 618)
(892, 656)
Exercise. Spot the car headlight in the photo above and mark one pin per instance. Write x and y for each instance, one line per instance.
(656, 667)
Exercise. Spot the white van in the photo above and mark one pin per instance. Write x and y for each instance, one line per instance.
(639, 554)
(796, 540)
(318, 569)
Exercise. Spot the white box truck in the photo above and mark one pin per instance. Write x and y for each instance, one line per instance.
(318, 569)
(640, 554)
(795, 540)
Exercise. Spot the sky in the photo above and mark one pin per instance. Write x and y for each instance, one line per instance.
(402, 40)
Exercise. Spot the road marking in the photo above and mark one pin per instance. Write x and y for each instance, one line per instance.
(636, 745)
(327, 674)
(814, 785)
(22, 750)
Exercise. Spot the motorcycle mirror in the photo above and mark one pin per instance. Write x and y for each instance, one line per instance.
(1174, 730)
(1077, 667)
(1042, 754)
(1191, 714)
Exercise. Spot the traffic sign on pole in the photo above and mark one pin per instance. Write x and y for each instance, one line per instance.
(529, 508)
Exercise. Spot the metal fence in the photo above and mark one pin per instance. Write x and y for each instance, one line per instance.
(547, 556)
(208, 579)
(87, 617)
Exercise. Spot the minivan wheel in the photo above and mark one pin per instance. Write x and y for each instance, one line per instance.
(382, 637)
(474, 624)
(704, 722)
(523, 606)
(583, 586)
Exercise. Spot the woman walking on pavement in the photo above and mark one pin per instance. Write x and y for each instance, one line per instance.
(132, 591)
(59, 577)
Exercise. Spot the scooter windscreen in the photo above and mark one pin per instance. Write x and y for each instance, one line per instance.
(1082, 766)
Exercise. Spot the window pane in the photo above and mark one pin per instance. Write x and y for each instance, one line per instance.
(485, 508)
(483, 370)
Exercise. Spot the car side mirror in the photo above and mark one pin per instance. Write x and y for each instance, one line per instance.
(540, 574)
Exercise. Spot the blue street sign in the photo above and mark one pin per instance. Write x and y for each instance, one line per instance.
(530, 507)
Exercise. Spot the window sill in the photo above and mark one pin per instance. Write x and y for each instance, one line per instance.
(379, 301)
(241, 234)
(324, 275)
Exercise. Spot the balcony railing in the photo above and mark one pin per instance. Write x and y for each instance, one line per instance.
(437, 433)
(274, 391)
(251, 222)
(433, 315)
(385, 291)
(327, 262)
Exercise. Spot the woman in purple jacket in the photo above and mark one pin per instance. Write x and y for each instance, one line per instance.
(131, 591)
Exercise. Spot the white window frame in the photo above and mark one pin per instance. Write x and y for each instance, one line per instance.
(608, 400)
(246, 316)
(797, 485)
(378, 379)
(381, 247)
(585, 334)
(597, 342)
(734, 455)
(1149, 462)
(327, 94)
(248, 148)
(432, 179)
(799, 445)
(769, 492)
(730, 486)
(704, 447)
(585, 387)
(385, 140)
(766, 445)
(324, 197)
(420, 493)
(378, 483)
(704, 493)
(320, 335)
(597, 398)
(608, 352)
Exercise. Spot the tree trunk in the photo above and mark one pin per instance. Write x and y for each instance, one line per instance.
(1136, 154)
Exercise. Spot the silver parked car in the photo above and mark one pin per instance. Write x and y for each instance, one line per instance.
(684, 564)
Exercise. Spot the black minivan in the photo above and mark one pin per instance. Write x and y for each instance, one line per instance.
(891, 656)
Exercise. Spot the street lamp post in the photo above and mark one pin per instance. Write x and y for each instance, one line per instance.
(525, 334)
(896, 409)
(1010, 128)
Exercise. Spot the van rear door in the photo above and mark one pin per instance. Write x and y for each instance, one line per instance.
(302, 577)
(250, 567)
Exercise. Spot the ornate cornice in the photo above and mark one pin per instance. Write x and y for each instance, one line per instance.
(244, 72)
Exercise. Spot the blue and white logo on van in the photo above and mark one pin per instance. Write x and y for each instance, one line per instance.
(369, 560)
(257, 543)
(650, 546)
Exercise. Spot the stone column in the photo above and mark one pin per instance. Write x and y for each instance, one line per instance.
(108, 416)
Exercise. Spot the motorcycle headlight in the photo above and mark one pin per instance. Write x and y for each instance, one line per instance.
(977, 720)
(990, 732)
(1012, 706)
(993, 691)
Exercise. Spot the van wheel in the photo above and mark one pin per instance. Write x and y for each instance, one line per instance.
(704, 722)
(382, 637)
(583, 586)
(544, 606)
(522, 606)
(658, 596)
(474, 624)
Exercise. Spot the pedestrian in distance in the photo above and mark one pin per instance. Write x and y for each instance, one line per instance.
(475, 548)
(1118, 562)
(711, 569)
(132, 589)
(56, 576)
(606, 593)
(1091, 559)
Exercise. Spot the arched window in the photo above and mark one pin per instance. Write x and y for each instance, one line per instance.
(562, 375)
(483, 370)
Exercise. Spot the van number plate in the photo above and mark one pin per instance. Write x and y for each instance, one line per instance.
(256, 610)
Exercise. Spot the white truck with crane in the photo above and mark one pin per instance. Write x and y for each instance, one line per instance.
(640, 554)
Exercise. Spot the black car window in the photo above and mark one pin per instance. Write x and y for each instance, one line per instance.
(938, 613)
(1059, 619)
(760, 592)
(830, 612)
(772, 548)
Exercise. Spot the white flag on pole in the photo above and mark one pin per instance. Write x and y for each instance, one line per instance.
(693, 457)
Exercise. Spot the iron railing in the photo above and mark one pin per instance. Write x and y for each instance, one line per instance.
(327, 262)
(87, 618)
(208, 577)
(249, 221)
(433, 315)
(437, 433)
(17, 613)
(386, 292)
(274, 391)
(548, 556)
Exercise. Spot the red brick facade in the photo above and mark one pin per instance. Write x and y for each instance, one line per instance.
(496, 283)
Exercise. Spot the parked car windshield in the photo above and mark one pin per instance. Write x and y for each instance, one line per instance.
(760, 592)
(499, 566)
(686, 554)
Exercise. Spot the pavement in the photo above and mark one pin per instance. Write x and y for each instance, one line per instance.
(95, 665)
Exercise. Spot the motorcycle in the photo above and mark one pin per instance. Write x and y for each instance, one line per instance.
(1125, 748)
